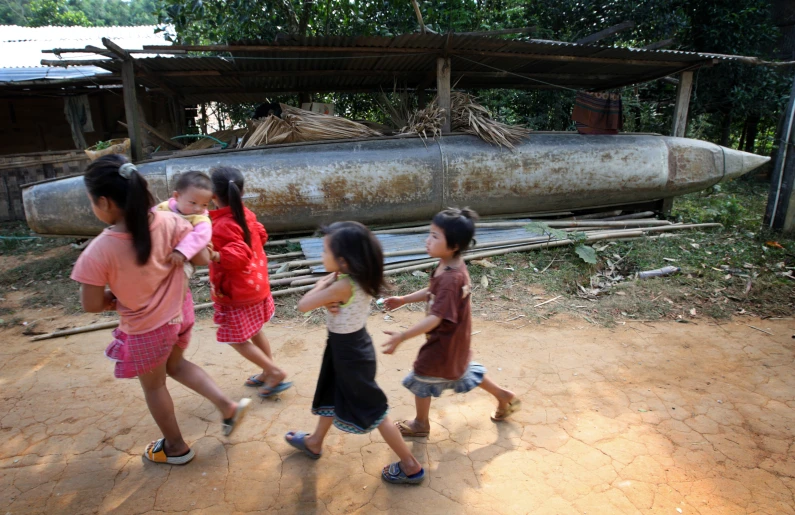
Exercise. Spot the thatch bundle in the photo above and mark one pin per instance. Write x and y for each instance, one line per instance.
(467, 116)
(299, 125)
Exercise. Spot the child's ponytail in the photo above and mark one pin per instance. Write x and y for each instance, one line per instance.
(228, 186)
(116, 179)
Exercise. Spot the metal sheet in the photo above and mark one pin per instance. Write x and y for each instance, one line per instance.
(313, 247)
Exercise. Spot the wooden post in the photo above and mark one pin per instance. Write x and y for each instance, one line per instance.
(443, 90)
(682, 104)
(780, 213)
(131, 110)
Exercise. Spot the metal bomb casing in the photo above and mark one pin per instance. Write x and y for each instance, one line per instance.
(394, 179)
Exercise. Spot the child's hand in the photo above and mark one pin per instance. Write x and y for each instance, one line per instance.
(393, 303)
(395, 339)
(333, 308)
(215, 256)
(326, 281)
(176, 258)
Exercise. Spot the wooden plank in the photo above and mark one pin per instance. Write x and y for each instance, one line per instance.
(659, 44)
(131, 110)
(116, 49)
(682, 104)
(525, 30)
(443, 90)
(593, 38)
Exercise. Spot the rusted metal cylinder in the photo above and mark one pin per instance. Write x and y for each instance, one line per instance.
(301, 186)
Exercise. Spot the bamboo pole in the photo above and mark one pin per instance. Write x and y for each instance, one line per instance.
(631, 216)
(553, 224)
(285, 255)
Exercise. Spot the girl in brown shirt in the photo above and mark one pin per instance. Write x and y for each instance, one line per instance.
(444, 362)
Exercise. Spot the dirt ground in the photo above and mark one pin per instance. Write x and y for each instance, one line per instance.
(642, 418)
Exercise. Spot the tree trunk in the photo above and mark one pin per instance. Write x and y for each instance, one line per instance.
(726, 128)
(750, 135)
(742, 136)
(304, 21)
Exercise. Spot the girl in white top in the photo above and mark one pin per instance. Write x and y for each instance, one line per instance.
(347, 395)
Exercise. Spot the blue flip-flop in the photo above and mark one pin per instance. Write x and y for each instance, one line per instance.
(271, 391)
(254, 382)
(297, 441)
(392, 473)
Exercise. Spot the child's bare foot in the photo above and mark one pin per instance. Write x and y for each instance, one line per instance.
(413, 428)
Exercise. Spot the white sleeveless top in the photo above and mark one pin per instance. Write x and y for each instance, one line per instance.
(353, 314)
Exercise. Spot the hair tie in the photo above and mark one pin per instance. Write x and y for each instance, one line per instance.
(127, 169)
(231, 181)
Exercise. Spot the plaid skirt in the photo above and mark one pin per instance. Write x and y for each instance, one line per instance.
(237, 324)
(137, 354)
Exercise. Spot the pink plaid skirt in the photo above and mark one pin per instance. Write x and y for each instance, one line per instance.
(137, 354)
(237, 324)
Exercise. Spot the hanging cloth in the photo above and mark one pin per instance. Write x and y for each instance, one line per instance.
(597, 113)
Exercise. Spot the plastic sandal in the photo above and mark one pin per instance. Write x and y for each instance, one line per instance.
(405, 430)
(254, 382)
(513, 406)
(297, 441)
(271, 391)
(392, 473)
(156, 453)
(229, 424)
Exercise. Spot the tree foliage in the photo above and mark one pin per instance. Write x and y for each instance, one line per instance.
(85, 13)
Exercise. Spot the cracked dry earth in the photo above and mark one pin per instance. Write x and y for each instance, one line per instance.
(643, 418)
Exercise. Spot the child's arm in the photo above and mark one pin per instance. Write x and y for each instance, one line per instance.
(96, 299)
(325, 292)
(395, 302)
(192, 244)
(232, 252)
(425, 325)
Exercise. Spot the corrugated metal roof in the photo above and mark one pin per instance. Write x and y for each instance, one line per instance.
(313, 247)
(252, 70)
(21, 49)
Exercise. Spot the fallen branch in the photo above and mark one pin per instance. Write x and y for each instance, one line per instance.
(547, 302)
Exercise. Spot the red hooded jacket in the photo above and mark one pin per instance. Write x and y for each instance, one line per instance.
(240, 277)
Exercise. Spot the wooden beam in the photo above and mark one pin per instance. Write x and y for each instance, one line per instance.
(117, 50)
(659, 44)
(525, 30)
(780, 212)
(131, 110)
(593, 38)
(96, 50)
(682, 104)
(166, 49)
(570, 58)
(89, 62)
(419, 15)
(443, 90)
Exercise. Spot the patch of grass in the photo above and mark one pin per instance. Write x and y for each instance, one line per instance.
(53, 268)
(17, 238)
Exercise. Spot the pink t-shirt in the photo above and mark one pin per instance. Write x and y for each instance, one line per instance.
(149, 296)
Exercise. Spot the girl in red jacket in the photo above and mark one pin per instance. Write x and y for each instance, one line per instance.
(239, 280)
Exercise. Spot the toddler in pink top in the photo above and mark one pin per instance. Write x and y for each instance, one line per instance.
(192, 195)
(128, 269)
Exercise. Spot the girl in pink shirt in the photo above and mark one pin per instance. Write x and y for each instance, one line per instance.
(127, 269)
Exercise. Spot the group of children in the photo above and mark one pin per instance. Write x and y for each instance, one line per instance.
(140, 266)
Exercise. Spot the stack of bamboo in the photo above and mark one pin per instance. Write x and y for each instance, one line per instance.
(291, 272)
(299, 125)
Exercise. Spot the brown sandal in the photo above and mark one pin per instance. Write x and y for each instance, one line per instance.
(405, 430)
(501, 414)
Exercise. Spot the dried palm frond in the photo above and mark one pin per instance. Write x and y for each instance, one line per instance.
(473, 118)
(397, 107)
(467, 116)
(299, 125)
(426, 122)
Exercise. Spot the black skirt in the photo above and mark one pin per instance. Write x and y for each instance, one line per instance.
(346, 388)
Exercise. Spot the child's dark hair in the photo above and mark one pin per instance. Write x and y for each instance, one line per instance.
(193, 179)
(458, 226)
(113, 177)
(362, 253)
(228, 187)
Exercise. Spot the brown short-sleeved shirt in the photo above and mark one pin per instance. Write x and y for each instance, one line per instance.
(446, 353)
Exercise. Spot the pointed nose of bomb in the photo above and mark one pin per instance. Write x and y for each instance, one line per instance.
(737, 162)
